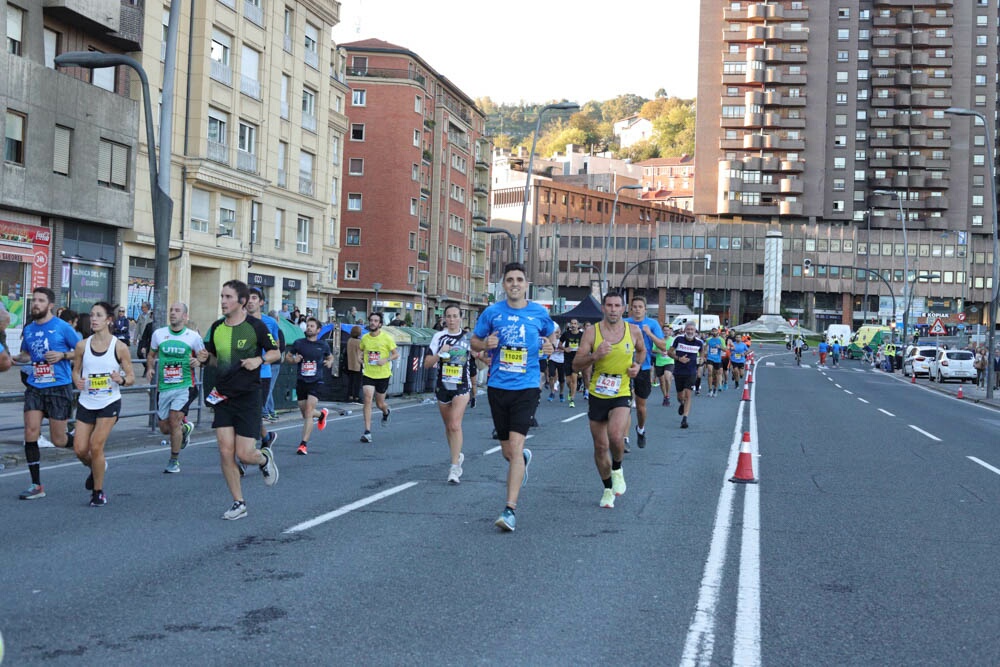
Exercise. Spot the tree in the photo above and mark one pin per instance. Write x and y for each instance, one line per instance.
(673, 132)
(640, 150)
(622, 106)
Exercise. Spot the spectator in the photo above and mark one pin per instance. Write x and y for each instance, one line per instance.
(354, 365)
(397, 321)
(120, 326)
(141, 323)
(83, 325)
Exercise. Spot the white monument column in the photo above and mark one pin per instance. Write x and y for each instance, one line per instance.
(772, 273)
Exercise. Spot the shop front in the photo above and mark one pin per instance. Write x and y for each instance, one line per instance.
(89, 254)
(266, 285)
(291, 295)
(24, 265)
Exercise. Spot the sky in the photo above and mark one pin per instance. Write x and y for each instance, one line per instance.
(540, 50)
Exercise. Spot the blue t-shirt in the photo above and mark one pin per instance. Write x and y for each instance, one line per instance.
(272, 326)
(657, 330)
(836, 349)
(823, 346)
(714, 349)
(52, 336)
(689, 348)
(738, 354)
(514, 362)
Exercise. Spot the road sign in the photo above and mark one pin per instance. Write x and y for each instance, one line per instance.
(961, 317)
(937, 329)
(793, 321)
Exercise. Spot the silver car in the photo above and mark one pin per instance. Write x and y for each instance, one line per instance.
(953, 365)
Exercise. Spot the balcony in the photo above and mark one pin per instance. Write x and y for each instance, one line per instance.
(790, 208)
(422, 256)
(386, 73)
(792, 186)
(246, 162)
(477, 271)
(459, 139)
(250, 87)
(217, 152)
(425, 191)
(426, 156)
(481, 163)
(253, 12)
(481, 189)
(478, 244)
(308, 121)
(222, 73)
(306, 185)
(479, 217)
(425, 222)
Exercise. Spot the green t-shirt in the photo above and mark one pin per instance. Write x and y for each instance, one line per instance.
(231, 345)
(662, 358)
(174, 350)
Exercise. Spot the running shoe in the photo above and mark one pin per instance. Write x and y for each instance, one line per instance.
(302, 450)
(552, 396)
(321, 422)
(188, 429)
(472, 402)
(534, 422)
(666, 401)
(608, 499)
(506, 521)
(586, 395)
(367, 437)
(572, 404)
(684, 422)
(618, 482)
(269, 439)
(562, 399)
(527, 462)
(640, 438)
(627, 450)
(34, 491)
(242, 468)
(680, 408)
(173, 465)
(385, 417)
(455, 472)
(269, 469)
(237, 511)
(98, 499)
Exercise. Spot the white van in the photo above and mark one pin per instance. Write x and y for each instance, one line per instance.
(708, 322)
(841, 332)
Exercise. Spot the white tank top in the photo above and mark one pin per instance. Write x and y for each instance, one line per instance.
(99, 390)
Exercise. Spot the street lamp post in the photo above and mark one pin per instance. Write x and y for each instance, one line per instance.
(162, 204)
(868, 254)
(611, 232)
(592, 268)
(423, 273)
(906, 256)
(991, 335)
(498, 230)
(376, 287)
(561, 106)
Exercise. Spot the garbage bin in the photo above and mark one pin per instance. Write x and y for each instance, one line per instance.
(284, 387)
(399, 372)
(416, 374)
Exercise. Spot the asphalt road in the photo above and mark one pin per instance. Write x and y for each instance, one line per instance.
(866, 542)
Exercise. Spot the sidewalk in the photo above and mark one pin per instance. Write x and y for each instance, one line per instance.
(970, 392)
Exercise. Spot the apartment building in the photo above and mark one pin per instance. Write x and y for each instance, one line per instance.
(669, 180)
(258, 126)
(67, 183)
(827, 121)
(417, 184)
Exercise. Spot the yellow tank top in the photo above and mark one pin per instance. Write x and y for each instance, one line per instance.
(610, 377)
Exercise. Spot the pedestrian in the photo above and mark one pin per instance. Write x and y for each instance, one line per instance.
(311, 355)
(120, 327)
(615, 348)
(378, 351)
(354, 364)
(255, 308)
(835, 350)
(652, 336)
(518, 331)
(822, 349)
(449, 351)
(49, 344)
(687, 351)
(144, 319)
(172, 358)
(238, 345)
(569, 341)
(979, 363)
(101, 367)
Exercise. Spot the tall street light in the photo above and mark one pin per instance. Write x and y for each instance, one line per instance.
(163, 205)
(376, 287)
(560, 106)
(498, 230)
(611, 232)
(992, 334)
(906, 256)
(591, 267)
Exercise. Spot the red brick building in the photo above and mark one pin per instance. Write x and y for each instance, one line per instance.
(416, 180)
(670, 180)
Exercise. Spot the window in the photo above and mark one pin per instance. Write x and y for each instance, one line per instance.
(413, 206)
(15, 29)
(980, 40)
(255, 209)
(60, 149)
(279, 223)
(981, 61)
(979, 159)
(414, 172)
(104, 77)
(331, 237)
(981, 20)
(977, 201)
(221, 45)
(356, 166)
(302, 232)
(418, 104)
(112, 165)
(839, 184)
(13, 149)
(289, 28)
(842, 77)
(199, 209)
(352, 270)
(843, 34)
(980, 79)
(839, 163)
(413, 241)
(360, 65)
(250, 72)
(227, 216)
(457, 193)
(282, 164)
(50, 39)
(248, 138)
(306, 160)
(841, 98)
(335, 191)
(335, 150)
(843, 56)
(357, 131)
(977, 221)
(354, 201)
(354, 236)
(286, 81)
(840, 120)
(311, 41)
(309, 109)
(359, 97)
(218, 135)
(416, 138)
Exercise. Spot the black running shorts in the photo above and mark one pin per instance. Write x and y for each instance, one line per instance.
(88, 416)
(56, 403)
(642, 384)
(682, 382)
(241, 413)
(512, 410)
(381, 384)
(599, 409)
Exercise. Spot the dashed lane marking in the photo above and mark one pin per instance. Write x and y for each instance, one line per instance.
(886, 412)
(984, 464)
(849, 392)
(329, 516)
(929, 435)
(862, 400)
(582, 414)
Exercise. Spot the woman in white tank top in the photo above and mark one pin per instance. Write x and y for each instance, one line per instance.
(100, 368)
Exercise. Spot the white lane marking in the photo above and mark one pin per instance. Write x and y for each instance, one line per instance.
(862, 400)
(886, 412)
(838, 386)
(984, 464)
(582, 414)
(323, 518)
(769, 363)
(859, 370)
(700, 640)
(746, 632)
(806, 366)
(849, 392)
(491, 451)
(929, 435)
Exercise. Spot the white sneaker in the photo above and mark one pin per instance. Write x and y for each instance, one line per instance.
(269, 469)
(44, 442)
(608, 499)
(237, 511)
(455, 472)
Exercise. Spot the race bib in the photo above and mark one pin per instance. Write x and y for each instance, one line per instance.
(373, 357)
(308, 369)
(43, 373)
(451, 371)
(573, 347)
(714, 351)
(514, 359)
(99, 385)
(173, 374)
(608, 385)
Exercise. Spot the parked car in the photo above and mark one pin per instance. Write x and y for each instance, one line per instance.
(918, 360)
(952, 365)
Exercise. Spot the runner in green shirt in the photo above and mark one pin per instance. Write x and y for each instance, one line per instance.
(664, 364)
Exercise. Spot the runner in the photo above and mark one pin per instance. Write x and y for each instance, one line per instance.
(652, 337)
(378, 350)
(49, 344)
(449, 351)
(738, 359)
(557, 372)
(688, 350)
(254, 309)
(310, 354)
(101, 366)
(570, 343)
(518, 330)
(175, 348)
(615, 349)
(714, 358)
(725, 363)
(238, 345)
(664, 367)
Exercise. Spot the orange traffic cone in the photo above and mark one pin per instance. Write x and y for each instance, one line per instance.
(746, 392)
(913, 378)
(960, 394)
(744, 464)
(749, 376)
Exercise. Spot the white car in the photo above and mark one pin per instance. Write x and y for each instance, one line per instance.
(952, 365)
(917, 360)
